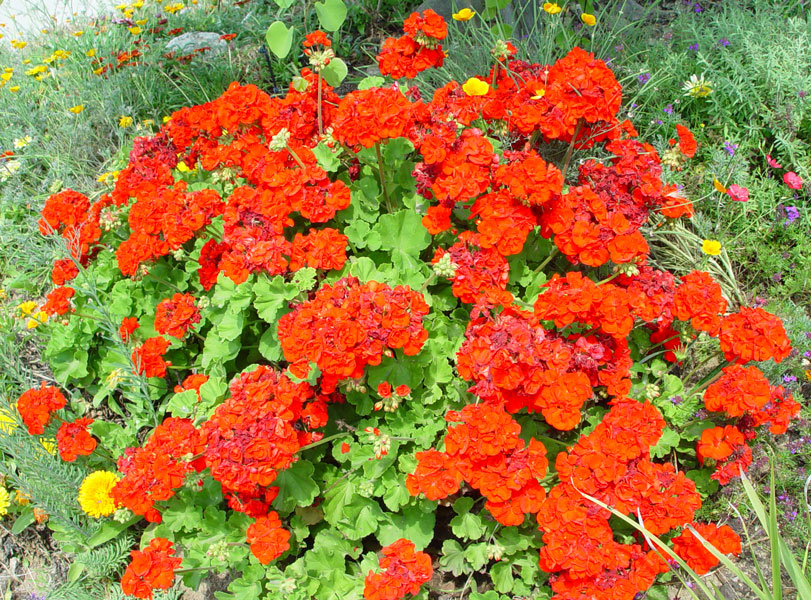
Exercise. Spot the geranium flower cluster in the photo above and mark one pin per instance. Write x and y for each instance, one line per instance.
(405, 570)
(36, 405)
(176, 315)
(267, 539)
(256, 433)
(153, 472)
(485, 451)
(74, 440)
(419, 49)
(152, 568)
(349, 325)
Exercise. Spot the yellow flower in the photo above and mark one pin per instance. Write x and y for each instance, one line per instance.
(711, 247)
(141, 21)
(39, 69)
(124, 121)
(22, 498)
(78, 33)
(539, 94)
(90, 53)
(20, 143)
(173, 8)
(27, 61)
(166, 119)
(19, 44)
(76, 109)
(14, 88)
(50, 445)
(719, 186)
(7, 422)
(108, 176)
(26, 308)
(37, 319)
(588, 19)
(475, 87)
(134, 30)
(552, 8)
(94, 494)
(4, 501)
(464, 15)
(184, 168)
(2, 294)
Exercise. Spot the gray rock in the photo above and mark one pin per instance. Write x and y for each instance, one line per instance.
(194, 40)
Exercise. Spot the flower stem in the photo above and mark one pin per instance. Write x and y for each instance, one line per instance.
(569, 151)
(382, 176)
(320, 119)
(323, 441)
(547, 260)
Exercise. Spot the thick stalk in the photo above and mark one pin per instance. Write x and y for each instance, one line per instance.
(382, 177)
(320, 119)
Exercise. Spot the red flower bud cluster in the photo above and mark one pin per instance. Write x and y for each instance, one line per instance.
(57, 302)
(485, 451)
(152, 568)
(349, 325)
(406, 569)
(153, 473)
(417, 50)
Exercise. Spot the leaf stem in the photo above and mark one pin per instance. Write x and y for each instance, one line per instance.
(382, 177)
(569, 151)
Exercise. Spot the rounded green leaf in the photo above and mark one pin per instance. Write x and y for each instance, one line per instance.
(279, 38)
(335, 72)
(331, 14)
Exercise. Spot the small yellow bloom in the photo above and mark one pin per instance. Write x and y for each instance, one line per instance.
(2, 294)
(464, 15)
(94, 494)
(26, 308)
(719, 186)
(108, 176)
(37, 319)
(539, 94)
(38, 70)
(552, 8)
(18, 44)
(50, 445)
(134, 30)
(7, 422)
(78, 33)
(27, 61)
(588, 19)
(4, 501)
(14, 88)
(124, 121)
(7, 76)
(76, 109)
(90, 53)
(184, 168)
(475, 87)
(141, 22)
(711, 247)
(22, 498)
(19, 144)
(166, 119)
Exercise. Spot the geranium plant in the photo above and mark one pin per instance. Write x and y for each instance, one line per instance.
(378, 345)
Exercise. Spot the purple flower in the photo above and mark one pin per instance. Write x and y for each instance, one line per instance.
(659, 121)
(669, 109)
(694, 47)
(724, 42)
(777, 277)
(730, 148)
(676, 400)
(634, 105)
(792, 214)
(789, 379)
(802, 93)
(644, 78)
(619, 47)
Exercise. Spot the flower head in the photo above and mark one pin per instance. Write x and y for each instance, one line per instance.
(588, 19)
(552, 8)
(94, 494)
(124, 121)
(792, 180)
(464, 15)
(711, 247)
(475, 87)
(76, 109)
(4, 501)
(697, 86)
(738, 193)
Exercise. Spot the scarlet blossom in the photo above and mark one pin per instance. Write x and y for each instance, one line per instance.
(384, 389)
(699, 299)
(127, 328)
(192, 382)
(148, 357)
(402, 390)
(405, 570)
(753, 334)
(727, 447)
(152, 568)
(73, 439)
(738, 391)
(367, 117)
(778, 411)
(687, 141)
(792, 180)
(696, 555)
(36, 405)
(772, 163)
(315, 38)
(427, 24)
(176, 315)
(63, 271)
(267, 539)
(57, 302)
(738, 193)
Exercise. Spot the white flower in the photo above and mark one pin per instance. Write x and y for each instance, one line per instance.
(697, 87)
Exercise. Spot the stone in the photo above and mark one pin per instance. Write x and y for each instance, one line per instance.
(194, 40)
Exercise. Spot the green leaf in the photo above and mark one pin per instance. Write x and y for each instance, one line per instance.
(335, 72)
(272, 297)
(269, 345)
(371, 82)
(705, 484)
(403, 233)
(412, 524)
(182, 404)
(467, 526)
(326, 157)
(296, 486)
(502, 575)
(668, 441)
(109, 530)
(285, 3)
(331, 14)
(476, 555)
(23, 521)
(279, 38)
(74, 572)
(337, 499)
(453, 558)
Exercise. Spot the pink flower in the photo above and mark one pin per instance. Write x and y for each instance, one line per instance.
(772, 163)
(738, 193)
(794, 181)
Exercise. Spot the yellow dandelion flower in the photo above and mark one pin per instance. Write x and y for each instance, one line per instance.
(166, 119)
(552, 8)
(711, 247)
(475, 87)
(50, 445)
(4, 501)
(464, 15)
(26, 308)
(134, 30)
(588, 19)
(141, 22)
(76, 109)
(94, 494)
(37, 319)
(90, 53)
(124, 121)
